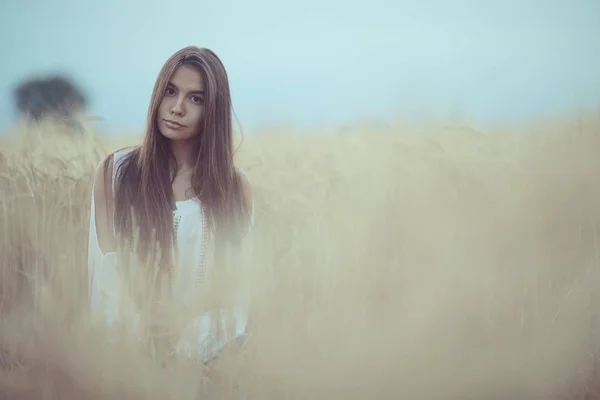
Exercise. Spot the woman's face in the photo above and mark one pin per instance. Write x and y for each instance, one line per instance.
(182, 108)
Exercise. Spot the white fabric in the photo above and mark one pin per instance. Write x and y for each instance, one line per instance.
(198, 339)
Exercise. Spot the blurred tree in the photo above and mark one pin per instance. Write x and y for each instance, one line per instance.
(53, 97)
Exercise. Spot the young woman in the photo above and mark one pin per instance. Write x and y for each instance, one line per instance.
(176, 202)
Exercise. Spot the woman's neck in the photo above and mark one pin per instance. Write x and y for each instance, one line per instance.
(183, 151)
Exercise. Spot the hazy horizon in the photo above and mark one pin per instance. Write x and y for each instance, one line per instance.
(317, 62)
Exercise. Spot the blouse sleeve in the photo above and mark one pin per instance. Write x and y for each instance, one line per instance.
(251, 219)
(103, 280)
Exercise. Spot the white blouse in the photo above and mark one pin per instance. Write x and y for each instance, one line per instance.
(194, 252)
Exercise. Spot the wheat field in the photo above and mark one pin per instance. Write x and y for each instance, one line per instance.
(387, 263)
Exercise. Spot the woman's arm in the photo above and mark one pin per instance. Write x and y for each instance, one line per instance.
(104, 282)
(104, 210)
(248, 201)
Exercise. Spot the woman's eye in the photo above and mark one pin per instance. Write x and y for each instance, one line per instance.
(197, 99)
(169, 92)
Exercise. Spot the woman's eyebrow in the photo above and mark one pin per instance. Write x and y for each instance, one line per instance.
(171, 84)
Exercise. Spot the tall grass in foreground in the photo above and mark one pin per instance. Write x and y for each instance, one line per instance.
(439, 265)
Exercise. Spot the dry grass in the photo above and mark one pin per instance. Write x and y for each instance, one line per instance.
(393, 264)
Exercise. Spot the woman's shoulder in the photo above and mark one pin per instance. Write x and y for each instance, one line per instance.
(114, 158)
(242, 174)
(107, 168)
(245, 181)
(119, 155)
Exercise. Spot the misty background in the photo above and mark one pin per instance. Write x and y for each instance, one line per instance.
(316, 63)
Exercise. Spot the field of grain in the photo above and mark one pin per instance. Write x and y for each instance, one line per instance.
(442, 263)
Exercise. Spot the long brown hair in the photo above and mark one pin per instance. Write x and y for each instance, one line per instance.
(144, 196)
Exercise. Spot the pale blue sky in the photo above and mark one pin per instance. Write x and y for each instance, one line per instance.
(317, 61)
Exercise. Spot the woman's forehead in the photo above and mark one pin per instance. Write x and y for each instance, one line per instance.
(187, 78)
